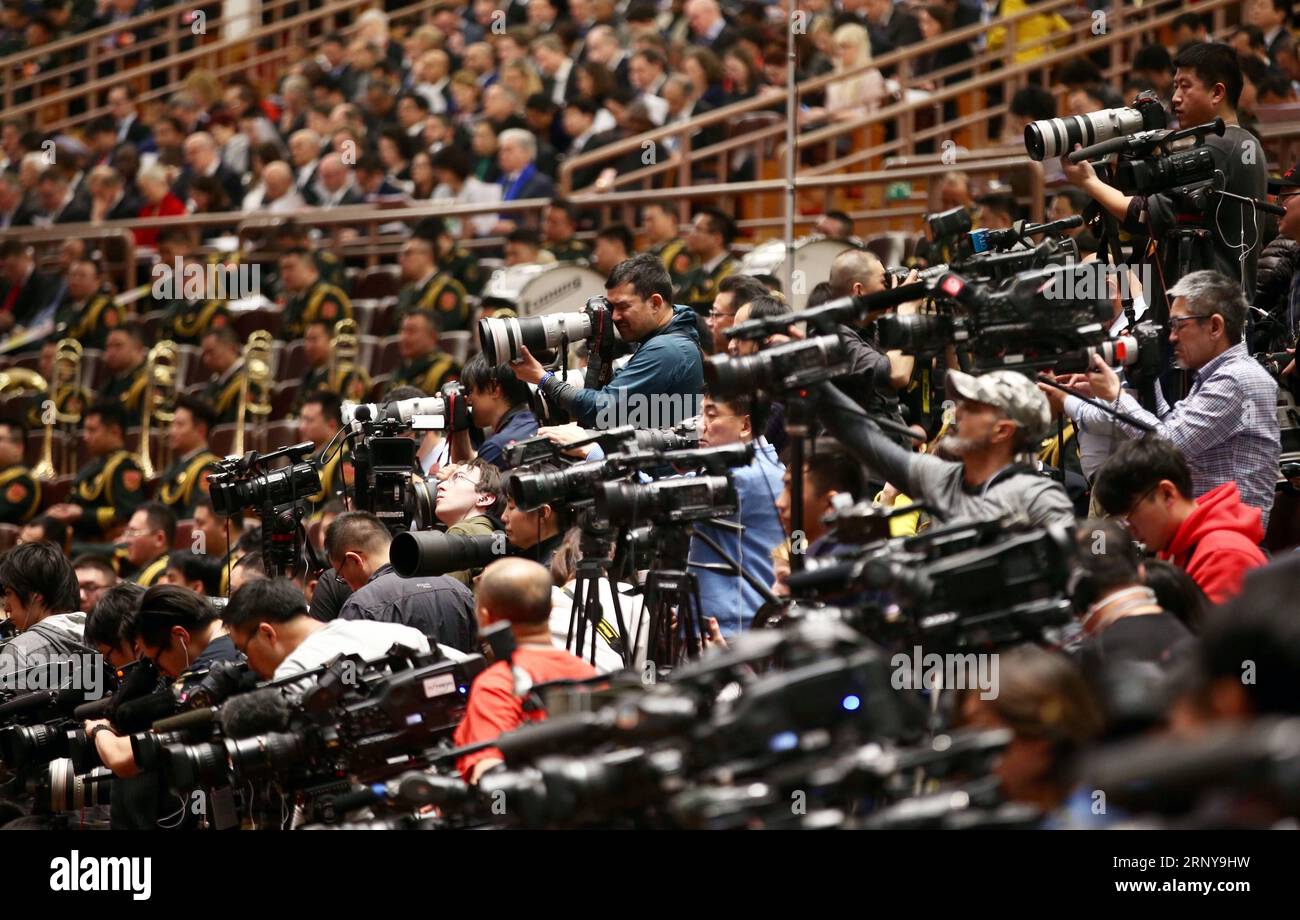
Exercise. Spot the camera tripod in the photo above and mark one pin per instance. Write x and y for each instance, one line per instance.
(670, 586)
(593, 567)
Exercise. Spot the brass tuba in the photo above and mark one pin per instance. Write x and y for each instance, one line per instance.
(161, 372)
(255, 390)
(63, 411)
(344, 347)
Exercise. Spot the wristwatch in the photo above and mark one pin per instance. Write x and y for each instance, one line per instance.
(94, 732)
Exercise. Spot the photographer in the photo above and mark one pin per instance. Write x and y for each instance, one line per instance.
(535, 534)
(438, 606)
(730, 599)
(179, 632)
(109, 625)
(497, 400)
(468, 502)
(831, 479)
(519, 592)
(40, 595)
(1226, 426)
(667, 361)
(319, 421)
(268, 621)
(1215, 537)
(1207, 85)
(1000, 417)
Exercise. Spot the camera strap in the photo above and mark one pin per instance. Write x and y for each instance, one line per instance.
(1013, 469)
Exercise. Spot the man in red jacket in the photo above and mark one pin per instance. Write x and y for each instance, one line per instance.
(1215, 538)
(517, 590)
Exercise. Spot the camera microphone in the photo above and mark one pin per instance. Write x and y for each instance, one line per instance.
(139, 715)
(401, 410)
(39, 699)
(255, 713)
(194, 718)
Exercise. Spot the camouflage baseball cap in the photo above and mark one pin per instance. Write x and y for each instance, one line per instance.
(1012, 392)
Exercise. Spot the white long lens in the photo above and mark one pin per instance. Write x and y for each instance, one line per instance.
(1055, 137)
(502, 339)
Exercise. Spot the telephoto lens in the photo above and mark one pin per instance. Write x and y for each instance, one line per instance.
(781, 368)
(692, 498)
(426, 553)
(1055, 137)
(502, 339)
(571, 484)
(946, 224)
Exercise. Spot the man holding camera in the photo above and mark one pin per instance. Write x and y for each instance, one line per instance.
(667, 361)
(41, 594)
(469, 502)
(537, 533)
(498, 400)
(1000, 417)
(1227, 425)
(1207, 85)
(438, 606)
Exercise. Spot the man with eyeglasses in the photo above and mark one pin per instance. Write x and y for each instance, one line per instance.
(1226, 427)
(1213, 537)
(734, 292)
(144, 545)
(470, 501)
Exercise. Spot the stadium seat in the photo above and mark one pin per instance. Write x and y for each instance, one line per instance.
(380, 281)
(57, 490)
(388, 356)
(184, 535)
(249, 322)
(9, 534)
(282, 398)
(293, 363)
(457, 344)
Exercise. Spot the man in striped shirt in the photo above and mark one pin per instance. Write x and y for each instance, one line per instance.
(1227, 425)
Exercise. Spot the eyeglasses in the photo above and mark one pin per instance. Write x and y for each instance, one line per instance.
(720, 313)
(1127, 516)
(132, 533)
(1176, 322)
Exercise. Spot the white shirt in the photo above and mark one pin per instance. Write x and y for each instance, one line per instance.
(561, 80)
(607, 660)
(472, 191)
(368, 638)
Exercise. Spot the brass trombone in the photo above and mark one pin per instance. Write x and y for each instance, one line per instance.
(62, 410)
(255, 390)
(162, 376)
(344, 347)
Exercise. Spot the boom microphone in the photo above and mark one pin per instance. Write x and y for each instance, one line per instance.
(140, 714)
(255, 713)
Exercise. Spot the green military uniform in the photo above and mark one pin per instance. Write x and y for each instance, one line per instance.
(353, 385)
(442, 297)
(151, 573)
(72, 401)
(128, 387)
(332, 482)
(701, 286)
(108, 490)
(331, 269)
(185, 322)
(571, 250)
(20, 495)
(427, 373)
(464, 267)
(89, 324)
(222, 393)
(184, 481)
(676, 259)
(320, 301)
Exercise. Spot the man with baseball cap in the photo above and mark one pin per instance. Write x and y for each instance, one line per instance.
(1001, 415)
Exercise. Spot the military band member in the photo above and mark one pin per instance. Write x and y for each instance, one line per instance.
(124, 356)
(424, 364)
(186, 480)
(293, 235)
(218, 539)
(86, 313)
(319, 421)
(435, 292)
(709, 243)
(110, 487)
(20, 494)
(452, 259)
(144, 545)
(559, 229)
(222, 356)
(349, 383)
(660, 222)
(307, 296)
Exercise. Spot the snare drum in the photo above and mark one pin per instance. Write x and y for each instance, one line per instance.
(535, 289)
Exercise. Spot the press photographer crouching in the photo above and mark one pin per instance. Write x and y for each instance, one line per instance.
(1226, 427)
(519, 592)
(1001, 416)
(267, 619)
(1207, 85)
(667, 361)
(440, 607)
(41, 596)
(731, 599)
(1214, 538)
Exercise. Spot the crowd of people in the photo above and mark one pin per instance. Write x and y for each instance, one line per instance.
(1179, 509)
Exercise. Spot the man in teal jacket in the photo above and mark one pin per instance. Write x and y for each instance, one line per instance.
(662, 383)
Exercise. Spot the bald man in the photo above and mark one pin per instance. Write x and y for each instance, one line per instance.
(278, 192)
(203, 158)
(336, 185)
(517, 591)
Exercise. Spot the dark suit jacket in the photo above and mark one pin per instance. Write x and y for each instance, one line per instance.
(127, 208)
(539, 185)
(34, 296)
(138, 133)
(76, 211)
(901, 30)
(230, 182)
(726, 38)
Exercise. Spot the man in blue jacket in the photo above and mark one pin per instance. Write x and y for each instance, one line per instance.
(662, 383)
